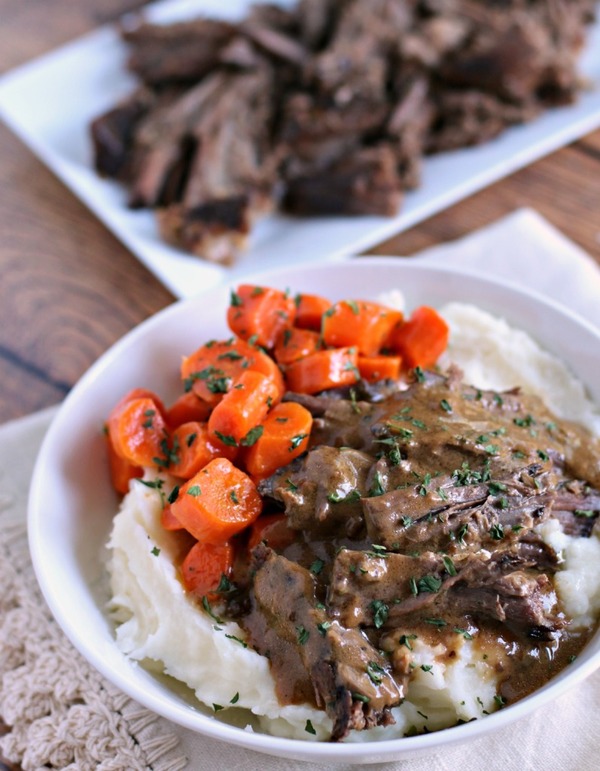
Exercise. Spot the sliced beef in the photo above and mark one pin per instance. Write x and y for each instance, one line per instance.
(185, 51)
(113, 132)
(321, 493)
(379, 589)
(323, 662)
(366, 182)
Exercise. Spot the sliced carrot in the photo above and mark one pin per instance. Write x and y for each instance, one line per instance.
(293, 344)
(323, 370)
(211, 370)
(422, 339)
(309, 311)
(168, 520)
(373, 368)
(366, 325)
(138, 433)
(186, 408)
(285, 435)
(140, 393)
(242, 409)
(192, 448)
(260, 313)
(204, 566)
(273, 530)
(217, 502)
(121, 471)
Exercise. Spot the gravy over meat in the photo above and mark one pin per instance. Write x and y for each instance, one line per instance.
(413, 516)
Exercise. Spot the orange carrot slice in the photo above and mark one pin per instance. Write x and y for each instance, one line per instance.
(217, 502)
(366, 325)
(260, 313)
(373, 368)
(211, 370)
(294, 344)
(323, 370)
(193, 448)
(186, 408)
(242, 409)
(121, 471)
(309, 311)
(203, 567)
(422, 339)
(285, 435)
(138, 433)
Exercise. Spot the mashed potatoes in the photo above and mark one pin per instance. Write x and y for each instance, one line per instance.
(158, 622)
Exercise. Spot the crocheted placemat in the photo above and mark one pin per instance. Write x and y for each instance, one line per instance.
(62, 713)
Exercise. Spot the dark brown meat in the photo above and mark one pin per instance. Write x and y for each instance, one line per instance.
(366, 182)
(324, 663)
(185, 51)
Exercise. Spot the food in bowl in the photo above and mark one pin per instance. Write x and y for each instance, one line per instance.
(368, 550)
(323, 107)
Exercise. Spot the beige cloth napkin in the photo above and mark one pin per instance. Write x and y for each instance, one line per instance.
(64, 715)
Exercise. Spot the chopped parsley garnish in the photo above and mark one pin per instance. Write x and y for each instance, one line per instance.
(217, 707)
(231, 355)
(190, 439)
(323, 627)
(317, 567)
(155, 484)
(405, 640)
(525, 422)
(427, 583)
(235, 300)
(291, 486)
(376, 486)
(303, 635)
(426, 667)
(194, 490)
(353, 306)
(225, 586)
(496, 487)
(360, 697)
(419, 375)
(155, 551)
(233, 496)
(173, 494)
(252, 436)
(445, 405)
(449, 565)
(436, 622)
(500, 701)
(296, 441)
(209, 610)
(237, 640)
(226, 439)
(497, 532)
(375, 671)
(543, 455)
(589, 513)
(235, 699)
(309, 728)
(380, 612)
(467, 635)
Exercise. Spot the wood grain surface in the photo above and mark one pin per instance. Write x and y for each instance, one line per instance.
(69, 289)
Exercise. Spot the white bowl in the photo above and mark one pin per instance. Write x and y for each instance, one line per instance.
(72, 504)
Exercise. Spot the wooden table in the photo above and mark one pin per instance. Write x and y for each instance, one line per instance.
(69, 289)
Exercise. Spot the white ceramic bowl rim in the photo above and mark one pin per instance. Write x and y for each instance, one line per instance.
(68, 617)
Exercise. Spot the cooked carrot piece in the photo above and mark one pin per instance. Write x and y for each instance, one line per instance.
(140, 393)
(286, 431)
(309, 311)
(293, 344)
(373, 368)
(121, 471)
(422, 339)
(242, 409)
(203, 567)
(217, 502)
(139, 433)
(273, 530)
(168, 520)
(186, 408)
(322, 370)
(260, 313)
(366, 325)
(211, 370)
(192, 448)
